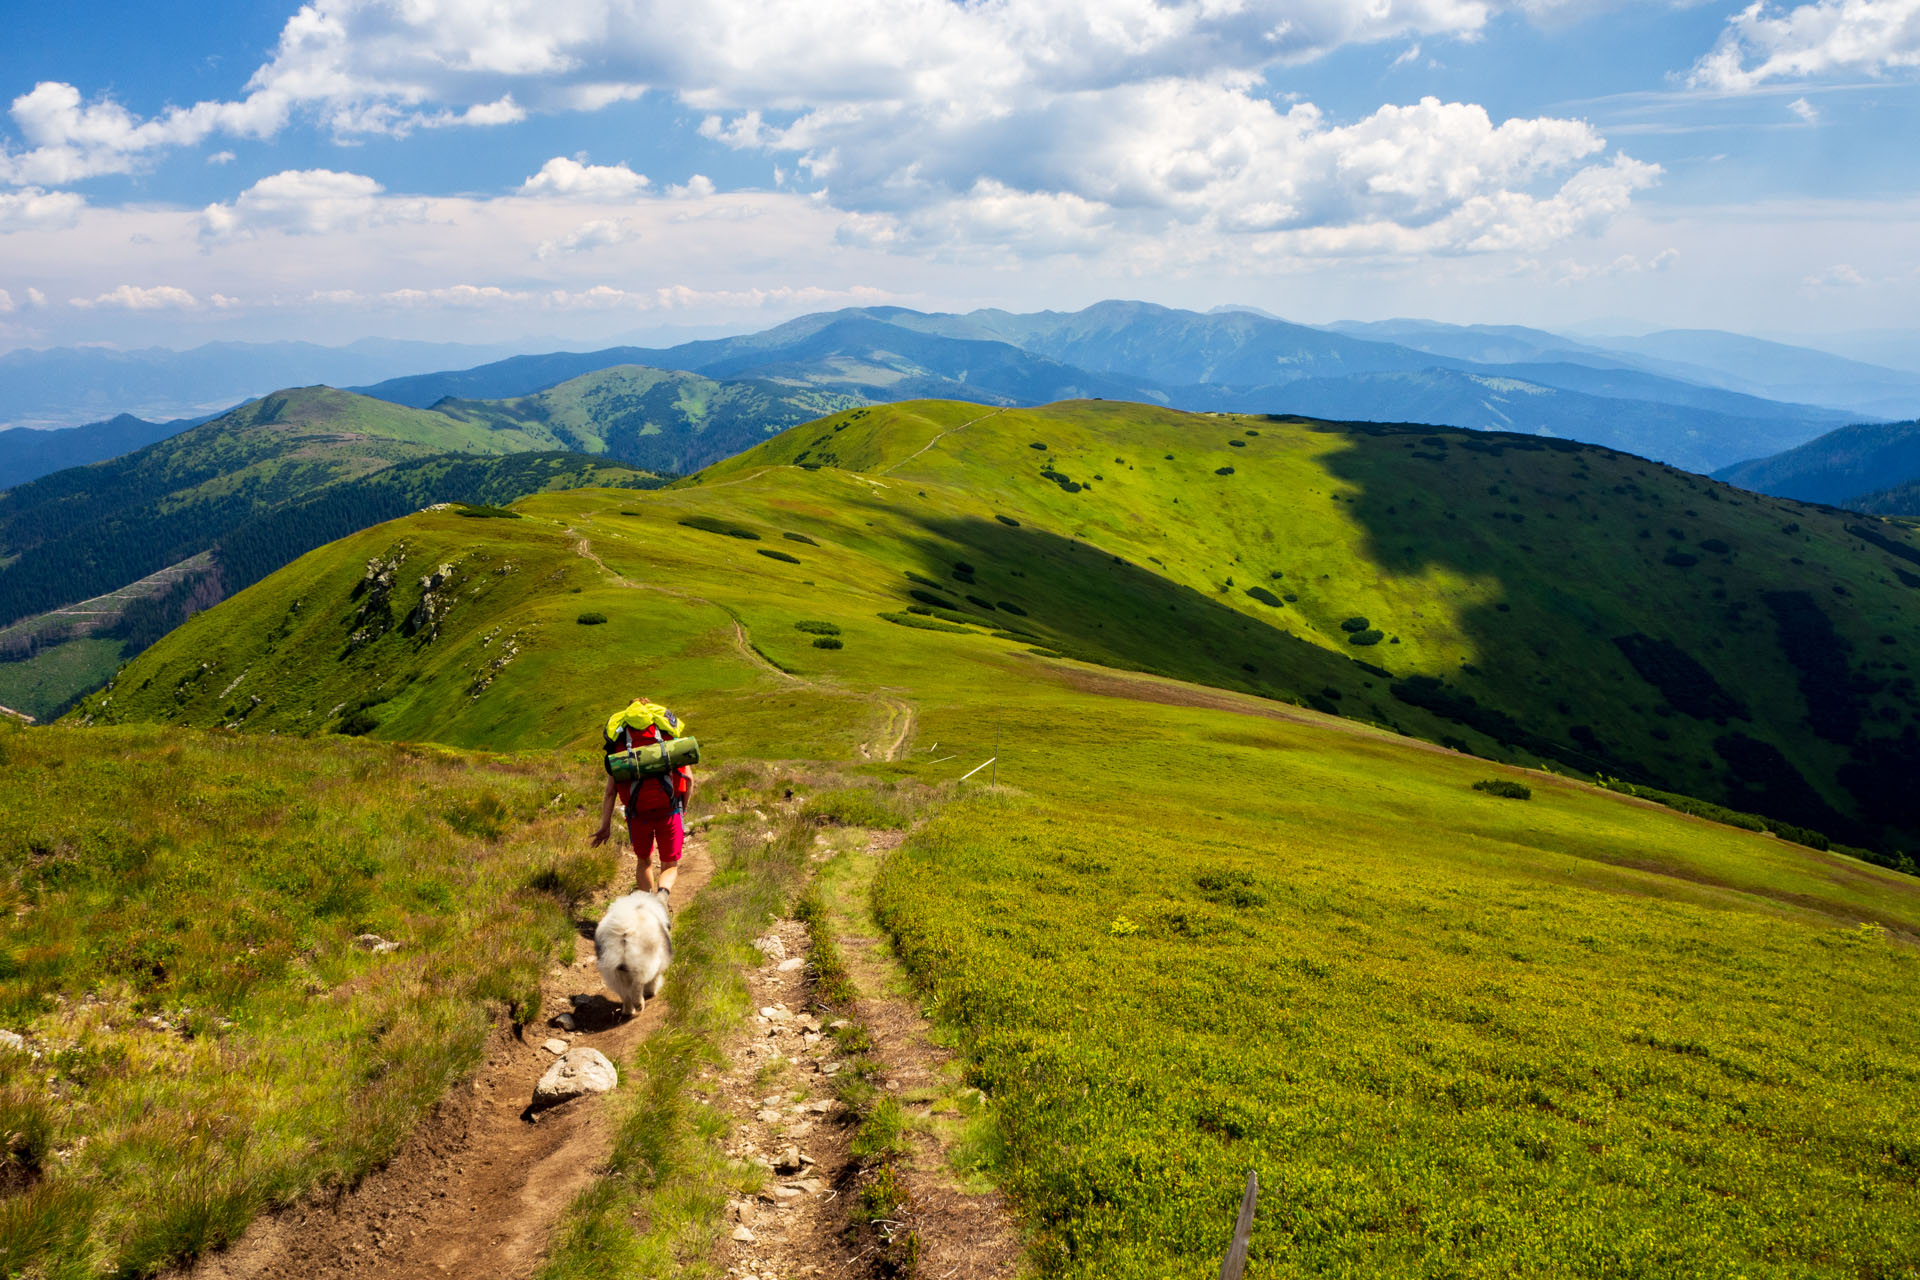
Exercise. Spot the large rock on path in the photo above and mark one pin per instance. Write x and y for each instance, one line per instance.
(578, 1071)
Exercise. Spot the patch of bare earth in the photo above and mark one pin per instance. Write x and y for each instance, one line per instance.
(476, 1189)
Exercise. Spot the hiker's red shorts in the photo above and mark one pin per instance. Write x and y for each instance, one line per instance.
(661, 827)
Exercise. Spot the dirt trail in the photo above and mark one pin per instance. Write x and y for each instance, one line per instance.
(780, 1092)
(475, 1191)
(901, 716)
(937, 439)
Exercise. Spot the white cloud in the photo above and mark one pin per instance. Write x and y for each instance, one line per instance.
(1838, 276)
(1804, 110)
(35, 298)
(698, 187)
(6, 302)
(601, 233)
(1809, 41)
(303, 202)
(221, 157)
(34, 209)
(990, 120)
(74, 140)
(573, 180)
(130, 297)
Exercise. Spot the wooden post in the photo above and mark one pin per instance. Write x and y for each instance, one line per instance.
(1242, 1230)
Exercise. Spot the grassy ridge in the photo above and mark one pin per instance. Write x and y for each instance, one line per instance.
(201, 1036)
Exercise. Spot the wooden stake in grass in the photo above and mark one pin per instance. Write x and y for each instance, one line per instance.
(1236, 1261)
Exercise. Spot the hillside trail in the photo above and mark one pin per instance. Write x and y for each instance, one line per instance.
(476, 1189)
(893, 467)
(901, 717)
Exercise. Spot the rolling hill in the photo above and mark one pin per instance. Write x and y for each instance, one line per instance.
(1837, 468)
(1195, 929)
(1526, 599)
(27, 454)
(59, 387)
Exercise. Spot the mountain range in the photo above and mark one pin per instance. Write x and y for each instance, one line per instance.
(1704, 400)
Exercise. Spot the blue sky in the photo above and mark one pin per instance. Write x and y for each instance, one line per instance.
(591, 169)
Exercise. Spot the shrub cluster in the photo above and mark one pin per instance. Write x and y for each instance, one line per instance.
(1504, 787)
(591, 619)
(709, 524)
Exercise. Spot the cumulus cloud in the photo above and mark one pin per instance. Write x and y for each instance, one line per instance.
(574, 180)
(1763, 43)
(1032, 128)
(72, 139)
(129, 297)
(302, 202)
(34, 209)
(601, 233)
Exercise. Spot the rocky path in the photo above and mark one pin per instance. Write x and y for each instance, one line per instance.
(780, 1090)
(476, 1189)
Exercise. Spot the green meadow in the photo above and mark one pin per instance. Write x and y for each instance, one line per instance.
(201, 1036)
(1232, 904)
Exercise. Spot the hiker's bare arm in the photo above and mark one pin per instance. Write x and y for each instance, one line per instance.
(606, 816)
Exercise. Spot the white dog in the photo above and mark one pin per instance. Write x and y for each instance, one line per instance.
(634, 945)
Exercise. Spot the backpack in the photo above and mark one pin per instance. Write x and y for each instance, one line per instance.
(644, 745)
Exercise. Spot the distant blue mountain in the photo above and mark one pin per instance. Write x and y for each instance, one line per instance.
(26, 454)
(1840, 468)
(1231, 359)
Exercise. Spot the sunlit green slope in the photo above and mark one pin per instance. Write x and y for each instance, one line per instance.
(1196, 930)
(1523, 600)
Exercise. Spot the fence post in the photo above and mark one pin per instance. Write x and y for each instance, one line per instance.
(1242, 1229)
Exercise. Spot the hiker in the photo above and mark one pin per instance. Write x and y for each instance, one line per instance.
(654, 804)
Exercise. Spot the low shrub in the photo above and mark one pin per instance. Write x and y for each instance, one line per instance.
(812, 627)
(828, 642)
(1007, 606)
(357, 724)
(475, 511)
(1355, 624)
(1368, 637)
(591, 619)
(1008, 521)
(781, 556)
(1265, 597)
(1506, 787)
(978, 603)
(932, 599)
(800, 538)
(923, 624)
(708, 524)
(1223, 471)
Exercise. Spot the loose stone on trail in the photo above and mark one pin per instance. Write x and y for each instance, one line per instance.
(579, 1071)
(373, 942)
(788, 966)
(771, 947)
(556, 1047)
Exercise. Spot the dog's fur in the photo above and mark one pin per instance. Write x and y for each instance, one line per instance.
(634, 945)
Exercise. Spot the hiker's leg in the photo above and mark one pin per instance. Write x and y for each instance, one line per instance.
(672, 835)
(640, 832)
